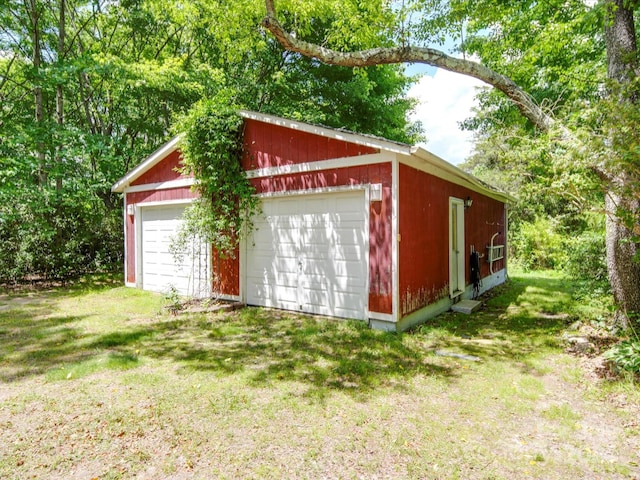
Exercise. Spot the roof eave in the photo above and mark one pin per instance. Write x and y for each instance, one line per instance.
(474, 182)
(151, 161)
(329, 132)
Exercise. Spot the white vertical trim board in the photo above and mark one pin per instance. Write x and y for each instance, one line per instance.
(457, 235)
(367, 248)
(137, 227)
(242, 269)
(124, 228)
(395, 240)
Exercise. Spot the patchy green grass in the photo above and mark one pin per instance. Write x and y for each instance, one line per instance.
(99, 382)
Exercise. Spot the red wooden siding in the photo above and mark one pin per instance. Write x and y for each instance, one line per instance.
(226, 274)
(380, 286)
(166, 170)
(267, 145)
(424, 235)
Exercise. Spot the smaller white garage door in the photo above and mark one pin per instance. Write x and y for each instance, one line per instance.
(309, 253)
(160, 271)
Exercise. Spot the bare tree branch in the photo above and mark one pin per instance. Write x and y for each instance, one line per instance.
(407, 54)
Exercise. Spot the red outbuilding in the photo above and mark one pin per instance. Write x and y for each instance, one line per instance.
(352, 226)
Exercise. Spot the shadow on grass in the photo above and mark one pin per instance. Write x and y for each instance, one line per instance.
(521, 318)
(269, 346)
(265, 345)
(31, 342)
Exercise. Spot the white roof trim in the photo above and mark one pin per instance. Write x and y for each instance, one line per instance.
(449, 172)
(350, 137)
(151, 161)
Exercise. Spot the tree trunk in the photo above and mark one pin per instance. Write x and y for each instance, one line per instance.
(59, 89)
(34, 17)
(622, 246)
(623, 268)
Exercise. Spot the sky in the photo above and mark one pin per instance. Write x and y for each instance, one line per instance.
(446, 99)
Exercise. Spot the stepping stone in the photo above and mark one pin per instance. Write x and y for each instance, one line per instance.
(466, 306)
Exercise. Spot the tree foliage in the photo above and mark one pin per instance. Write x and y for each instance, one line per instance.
(90, 88)
(211, 150)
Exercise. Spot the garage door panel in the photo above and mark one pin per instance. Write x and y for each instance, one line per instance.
(309, 253)
(265, 295)
(160, 270)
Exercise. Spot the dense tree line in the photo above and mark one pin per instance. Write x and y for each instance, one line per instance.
(89, 88)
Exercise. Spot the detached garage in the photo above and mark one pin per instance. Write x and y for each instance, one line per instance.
(352, 226)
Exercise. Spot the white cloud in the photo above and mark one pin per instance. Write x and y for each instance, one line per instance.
(446, 99)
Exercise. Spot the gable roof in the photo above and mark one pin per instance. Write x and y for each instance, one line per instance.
(151, 161)
(432, 163)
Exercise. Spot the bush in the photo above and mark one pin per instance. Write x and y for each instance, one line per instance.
(625, 356)
(55, 235)
(579, 249)
(586, 256)
(538, 246)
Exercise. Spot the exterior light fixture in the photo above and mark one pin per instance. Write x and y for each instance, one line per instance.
(468, 202)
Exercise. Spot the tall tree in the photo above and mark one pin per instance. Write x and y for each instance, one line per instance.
(622, 200)
(621, 186)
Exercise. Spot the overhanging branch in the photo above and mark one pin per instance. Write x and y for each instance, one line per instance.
(429, 56)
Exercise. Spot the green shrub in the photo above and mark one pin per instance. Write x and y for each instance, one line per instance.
(50, 234)
(538, 245)
(586, 256)
(577, 249)
(625, 356)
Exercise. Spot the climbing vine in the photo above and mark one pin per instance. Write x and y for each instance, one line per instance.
(211, 148)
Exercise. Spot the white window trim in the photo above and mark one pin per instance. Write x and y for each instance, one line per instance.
(457, 290)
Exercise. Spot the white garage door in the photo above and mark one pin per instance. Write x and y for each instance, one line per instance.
(309, 254)
(160, 271)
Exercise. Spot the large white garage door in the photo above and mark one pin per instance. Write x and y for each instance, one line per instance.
(309, 253)
(160, 271)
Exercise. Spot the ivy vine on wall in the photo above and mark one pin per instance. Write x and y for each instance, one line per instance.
(211, 149)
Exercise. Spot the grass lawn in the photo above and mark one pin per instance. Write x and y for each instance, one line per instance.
(97, 381)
